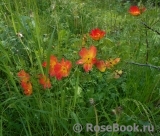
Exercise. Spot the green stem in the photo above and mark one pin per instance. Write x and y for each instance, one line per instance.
(76, 89)
(95, 111)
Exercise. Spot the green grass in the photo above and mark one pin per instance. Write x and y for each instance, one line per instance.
(57, 28)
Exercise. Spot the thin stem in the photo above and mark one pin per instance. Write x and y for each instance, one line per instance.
(95, 111)
(150, 28)
(147, 65)
(147, 47)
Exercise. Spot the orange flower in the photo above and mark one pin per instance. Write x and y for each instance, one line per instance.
(53, 61)
(25, 83)
(134, 10)
(100, 64)
(45, 81)
(97, 34)
(27, 87)
(111, 62)
(88, 58)
(115, 61)
(24, 77)
(62, 69)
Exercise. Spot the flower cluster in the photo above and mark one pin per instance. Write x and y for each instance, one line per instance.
(102, 65)
(135, 10)
(58, 69)
(25, 82)
(61, 69)
(88, 59)
(88, 56)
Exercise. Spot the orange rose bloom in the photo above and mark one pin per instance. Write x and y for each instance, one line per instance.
(62, 69)
(97, 34)
(134, 10)
(88, 57)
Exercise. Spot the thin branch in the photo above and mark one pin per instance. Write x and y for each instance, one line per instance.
(146, 65)
(150, 28)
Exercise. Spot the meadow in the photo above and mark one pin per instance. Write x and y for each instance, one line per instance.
(67, 62)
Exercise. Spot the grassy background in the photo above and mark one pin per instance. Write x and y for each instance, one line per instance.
(57, 27)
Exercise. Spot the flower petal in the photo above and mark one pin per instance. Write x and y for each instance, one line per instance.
(93, 51)
(87, 67)
(81, 61)
(83, 52)
(100, 64)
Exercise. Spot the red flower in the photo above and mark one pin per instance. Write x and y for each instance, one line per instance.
(134, 10)
(53, 62)
(45, 81)
(24, 77)
(100, 64)
(88, 58)
(97, 34)
(27, 87)
(62, 69)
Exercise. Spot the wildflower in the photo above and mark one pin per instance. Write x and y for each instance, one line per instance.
(88, 57)
(53, 62)
(100, 64)
(134, 10)
(27, 87)
(115, 61)
(24, 77)
(62, 69)
(25, 83)
(44, 81)
(111, 62)
(97, 34)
